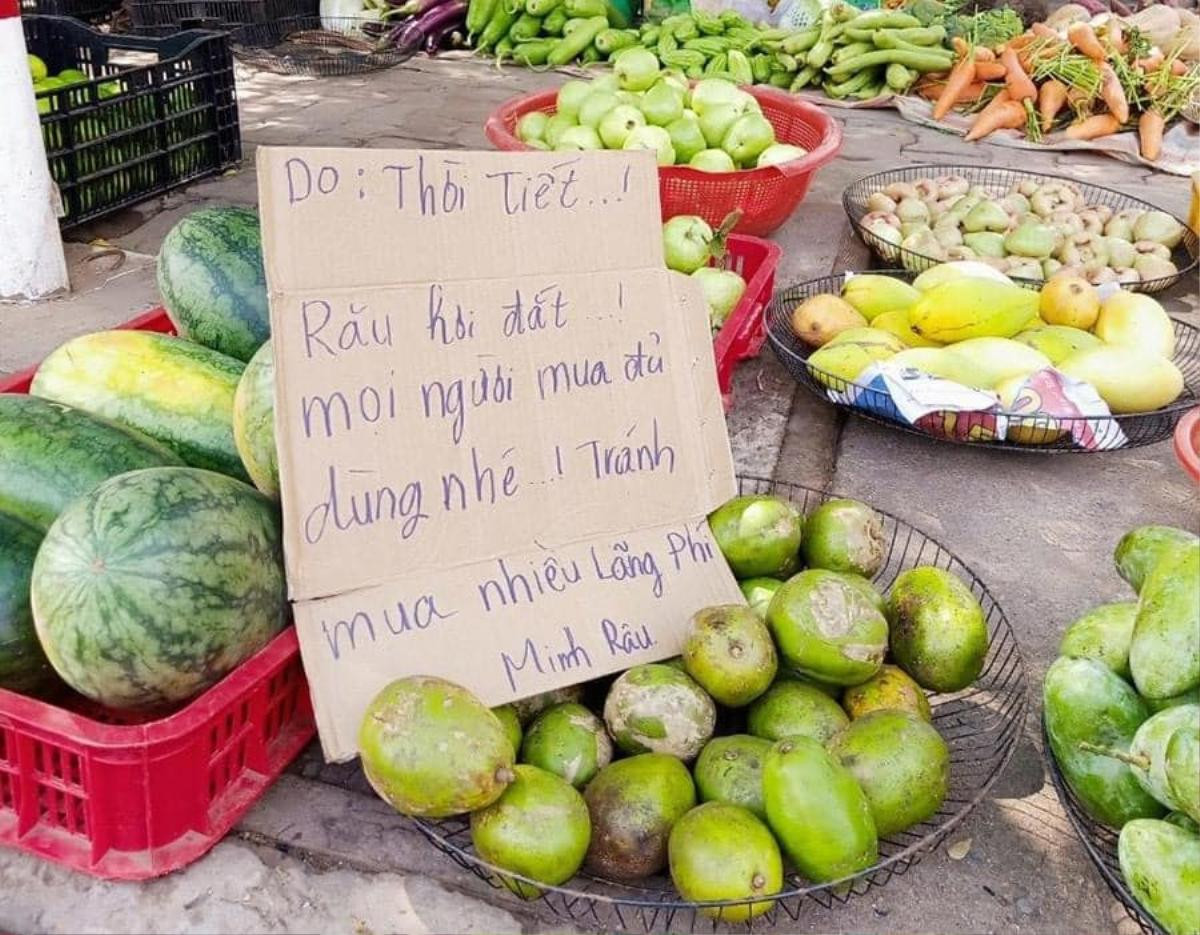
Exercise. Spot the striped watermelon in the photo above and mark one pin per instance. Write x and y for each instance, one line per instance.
(23, 665)
(210, 274)
(50, 454)
(254, 421)
(157, 583)
(173, 390)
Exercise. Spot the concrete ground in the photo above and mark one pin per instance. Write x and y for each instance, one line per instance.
(321, 854)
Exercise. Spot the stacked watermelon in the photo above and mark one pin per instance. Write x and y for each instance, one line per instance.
(137, 563)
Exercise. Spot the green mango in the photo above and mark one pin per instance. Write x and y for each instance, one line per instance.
(1151, 763)
(795, 708)
(758, 535)
(568, 741)
(1191, 696)
(728, 651)
(827, 628)
(870, 592)
(432, 749)
(902, 764)
(539, 828)
(844, 535)
(1141, 549)
(1161, 865)
(1103, 633)
(818, 811)
(529, 708)
(723, 852)
(656, 708)
(1182, 768)
(938, 633)
(729, 769)
(512, 725)
(633, 804)
(1086, 702)
(1164, 656)
(890, 689)
(758, 593)
(1180, 820)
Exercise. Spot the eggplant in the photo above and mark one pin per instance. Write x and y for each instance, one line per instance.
(415, 32)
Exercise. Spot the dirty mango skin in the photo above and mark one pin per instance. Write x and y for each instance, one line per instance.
(1141, 549)
(431, 749)
(723, 852)
(568, 741)
(1164, 656)
(1104, 634)
(729, 652)
(658, 708)
(1150, 758)
(795, 708)
(758, 593)
(818, 811)
(844, 535)
(1087, 703)
(758, 535)
(729, 770)
(901, 763)
(938, 633)
(827, 628)
(633, 804)
(539, 829)
(1183, 769)
(890, 689)
(1161, 865)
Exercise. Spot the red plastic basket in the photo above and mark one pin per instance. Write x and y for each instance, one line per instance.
(743, 333)
(130, 801)
(1187, 443)
(766, 197)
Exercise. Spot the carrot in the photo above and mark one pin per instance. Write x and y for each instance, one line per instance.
(984, 54)
(1042, 31)
(1150, 134)
(1093, 127)
(961, 49)
(1052, 96)
(1113, 94)
(1116, 36)
(1178, 68)
(960, 76)
(1152, 61)
(1005, 115)
(990, 71)
(1018, 83)
(1083, 37)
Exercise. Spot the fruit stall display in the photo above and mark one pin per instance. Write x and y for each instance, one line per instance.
(1028, 225)
(1122, 725)
(1017, 352)
(117, 134)
(805, 747)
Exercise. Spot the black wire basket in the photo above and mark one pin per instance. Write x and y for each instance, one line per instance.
(1030, 433)
(981, 725)
(1100, 842)
(318, 46)
(999, 182)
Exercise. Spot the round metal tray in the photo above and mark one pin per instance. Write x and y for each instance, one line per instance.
(999, 181)
(1139, 428)
(1100, 842)
(981, 725)
(317, 46)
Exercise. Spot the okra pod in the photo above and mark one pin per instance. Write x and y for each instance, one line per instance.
(851, 50)
(819, 54)
(887, 39)
(802, 79)
(883, 19)
(801, 41)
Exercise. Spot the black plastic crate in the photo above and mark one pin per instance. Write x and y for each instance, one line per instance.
(156, 114)
(166, 17)
(90, 11)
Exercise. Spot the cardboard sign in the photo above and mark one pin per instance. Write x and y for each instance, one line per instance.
(498, 421)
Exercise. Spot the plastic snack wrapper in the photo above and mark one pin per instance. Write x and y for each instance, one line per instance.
(1052, 406)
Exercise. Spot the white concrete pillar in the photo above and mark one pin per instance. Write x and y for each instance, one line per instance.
(31, 251)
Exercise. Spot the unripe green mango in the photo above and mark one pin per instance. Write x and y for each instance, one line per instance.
(844, 535)
(1104, 634)
(1183, 769)
(729, 652)
(729, 769)
(659, 709)
(512, 724)
(568, 741)
(818, 811)
(901, 763)
(795, 708)
(1086, 702)
(890, 689)
(1141, 549)
(758, 535)
(1164, 656)
(1161, 865)
(938, 632)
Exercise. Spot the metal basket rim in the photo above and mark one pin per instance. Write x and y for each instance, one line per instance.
(912, 852)
(1141, 916)
(855, 213)
(1173, 409)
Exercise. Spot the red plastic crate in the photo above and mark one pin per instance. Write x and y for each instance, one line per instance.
(129, 801)
(1187, 444)
(766, 197)
(742, 335)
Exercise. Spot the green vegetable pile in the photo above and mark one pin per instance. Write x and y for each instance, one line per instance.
(1122, 712)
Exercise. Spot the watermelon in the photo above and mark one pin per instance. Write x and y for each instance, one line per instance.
(254, 421)
(153, 586)
(23, 665)
(173, 390)
(50, 454)
(210, 274)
